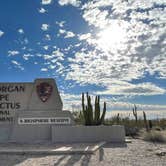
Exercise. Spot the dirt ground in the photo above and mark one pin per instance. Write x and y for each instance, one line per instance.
(137, 153)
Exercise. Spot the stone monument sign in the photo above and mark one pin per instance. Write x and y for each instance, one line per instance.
(28, 110)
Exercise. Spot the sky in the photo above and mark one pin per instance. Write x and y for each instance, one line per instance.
(115, 49)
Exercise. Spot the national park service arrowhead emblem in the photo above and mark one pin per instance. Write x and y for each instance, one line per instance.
(44, 91)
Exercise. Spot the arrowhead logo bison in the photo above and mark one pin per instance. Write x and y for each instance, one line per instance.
(44, 91)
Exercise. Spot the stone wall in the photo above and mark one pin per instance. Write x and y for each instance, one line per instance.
(71, 134)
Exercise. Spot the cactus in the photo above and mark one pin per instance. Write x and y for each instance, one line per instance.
(118, 118)
(145, 121)
(135, 113)
(97, 110)
(103, 115)
(150, 124)
(93, 117)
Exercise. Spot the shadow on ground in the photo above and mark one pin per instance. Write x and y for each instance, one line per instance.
(66, 160)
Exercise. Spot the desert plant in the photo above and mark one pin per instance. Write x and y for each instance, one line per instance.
(145, 121)
(118, 118)
(97, 109)
(135, 113)
(88, 112)
(155, 136)
(150, 124)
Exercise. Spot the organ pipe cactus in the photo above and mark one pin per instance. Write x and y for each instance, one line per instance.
(135, 113)
(145, 121)
(92, 117)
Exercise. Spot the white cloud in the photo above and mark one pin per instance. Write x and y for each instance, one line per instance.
(147, 89)
(85, 36)
(42, 10)
(55, 55)
(1, 33)
(27, 56)
(45, 27)
(54, 60)
(60, 24)
(59, 55)
(13, 52)
(17, 65)
(48, 56)
(62, 31)
(46, 47)
(46, 2)
(67, 34)
(47, 37)
(44, 69)
(21, 31)
(75, 3)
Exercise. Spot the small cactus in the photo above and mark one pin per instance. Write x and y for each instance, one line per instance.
(150, 124)
(135, 113)
(118, 118)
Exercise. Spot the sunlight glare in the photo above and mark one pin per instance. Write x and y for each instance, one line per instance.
(113, 37)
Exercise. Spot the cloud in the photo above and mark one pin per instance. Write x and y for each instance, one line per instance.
(42, 10)
(85, 36)
(17, 65)
(54, 61)
(46, 47)
(62, 31)
(46, 2)
(21, 31)
(146, 89)
(1, 33)
(13, 52)
(60, 23)
(67, 34)
(45, 27)
(47, 37)
(55, 55)
(75, 3)
(44, 69)
(27, 56)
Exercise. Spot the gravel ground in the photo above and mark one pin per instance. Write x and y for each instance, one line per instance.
(137, 153)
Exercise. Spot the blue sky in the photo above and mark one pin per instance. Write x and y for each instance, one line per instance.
(116, 49)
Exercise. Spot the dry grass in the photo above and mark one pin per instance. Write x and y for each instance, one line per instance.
(155, 136)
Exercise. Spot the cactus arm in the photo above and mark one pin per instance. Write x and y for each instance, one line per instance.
(103, 114)
(95, 118)
(90, 111)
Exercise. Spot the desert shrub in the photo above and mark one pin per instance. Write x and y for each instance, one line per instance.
(155, 136)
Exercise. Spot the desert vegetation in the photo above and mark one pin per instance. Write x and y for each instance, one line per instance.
(148, 129)
(92, 116)
(155, 136)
